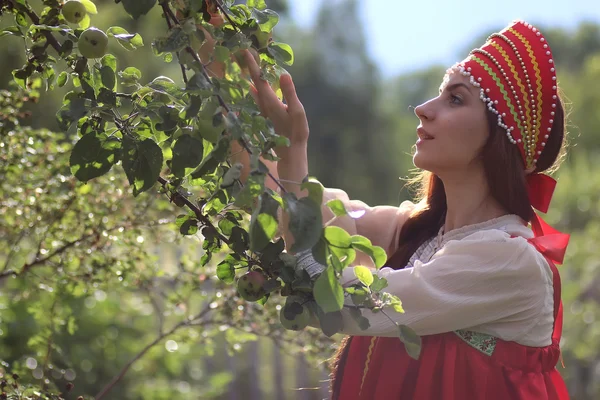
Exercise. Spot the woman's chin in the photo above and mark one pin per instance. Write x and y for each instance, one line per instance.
(421, 161)
(424, 162)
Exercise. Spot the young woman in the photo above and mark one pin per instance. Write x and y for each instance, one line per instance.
(472, 262)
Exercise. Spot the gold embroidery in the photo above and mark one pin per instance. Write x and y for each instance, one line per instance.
(366, 368)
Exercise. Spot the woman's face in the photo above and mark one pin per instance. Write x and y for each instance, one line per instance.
(453, 129)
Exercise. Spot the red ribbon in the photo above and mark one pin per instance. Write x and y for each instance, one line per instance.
(548, 240)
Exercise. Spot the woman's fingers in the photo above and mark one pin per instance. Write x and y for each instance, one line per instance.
(256, 97)
(289, 93)
(265, 92)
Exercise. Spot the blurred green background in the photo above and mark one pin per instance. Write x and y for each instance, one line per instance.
(362, 132)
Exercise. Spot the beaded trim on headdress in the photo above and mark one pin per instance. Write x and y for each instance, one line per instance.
(515, 74)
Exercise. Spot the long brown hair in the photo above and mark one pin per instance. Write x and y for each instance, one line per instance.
(505, 173)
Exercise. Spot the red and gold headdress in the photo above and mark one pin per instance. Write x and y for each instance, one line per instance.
(515, 73)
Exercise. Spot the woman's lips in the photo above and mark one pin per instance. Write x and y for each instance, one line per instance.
(423, 134)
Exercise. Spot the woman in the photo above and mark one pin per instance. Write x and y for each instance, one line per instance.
(477, 283)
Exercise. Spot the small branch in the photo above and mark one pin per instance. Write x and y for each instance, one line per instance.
(220, 8)
(7, 273)
(125, 95)
(12, 252)
(60, 250)
(36, 20)
(183, 73)
(108, 387)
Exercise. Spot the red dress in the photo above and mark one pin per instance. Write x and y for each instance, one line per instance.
(460, 365)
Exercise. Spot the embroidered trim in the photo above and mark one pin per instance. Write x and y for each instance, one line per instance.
(480, 341)
(519, 83)
(501, 87)
(538, 81)
(366, 368)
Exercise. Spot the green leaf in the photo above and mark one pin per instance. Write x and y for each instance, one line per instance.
(130, 41)
(266, 19)
(189, 227)
(377, 254)
(109, 61)
(166, 85)
(282, 52)
(107, 75)
(319, 251)
(11, 30)
(73, 109)
(378, 284)
(193, 107)
(328, 291)
(137, 8)
(263, 225)
(93, 156)
(341, 257)
(305, 223)
(239, 240)
(232, 175)
(142, 162)
(255, 185)
(362, 322)
(258, 4)
(338, 237)
(390, 300)
(187, 155)
(20, 76)
(85, 22)
(130, 76)
(364, 275)
(218, 154)
(21, 20)
(221, 53)
(337, 207)
(412, 341)
(330, 323)
(175, 41)
(89, 6)
(62, 79)
(226, 272)
(315, 190)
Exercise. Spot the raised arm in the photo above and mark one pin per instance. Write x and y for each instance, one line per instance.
(380, 224)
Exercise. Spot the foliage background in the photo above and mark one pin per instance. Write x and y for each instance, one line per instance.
(87, 326)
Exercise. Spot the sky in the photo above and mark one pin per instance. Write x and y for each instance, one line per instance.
(425, 32)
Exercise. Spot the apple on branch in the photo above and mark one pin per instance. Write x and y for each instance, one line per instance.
(74, 11)
(92, 43)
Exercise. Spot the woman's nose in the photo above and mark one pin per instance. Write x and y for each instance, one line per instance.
(424, 111)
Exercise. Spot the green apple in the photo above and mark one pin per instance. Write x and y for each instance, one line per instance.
(74, 11)
(294, 315)
(92, 43)
(250, 286)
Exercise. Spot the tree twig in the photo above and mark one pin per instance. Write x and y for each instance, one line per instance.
(58, 251)
(108, 387)
(36, 20)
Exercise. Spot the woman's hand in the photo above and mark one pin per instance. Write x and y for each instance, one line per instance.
(288, 117)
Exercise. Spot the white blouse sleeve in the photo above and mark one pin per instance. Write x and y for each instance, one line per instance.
(380, 224)
(485, 278)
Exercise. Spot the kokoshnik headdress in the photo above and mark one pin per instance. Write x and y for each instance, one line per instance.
(516, 76)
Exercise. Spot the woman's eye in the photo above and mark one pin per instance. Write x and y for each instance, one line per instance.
(454, 99)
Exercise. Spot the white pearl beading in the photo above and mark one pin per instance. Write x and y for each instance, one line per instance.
(529, 145)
